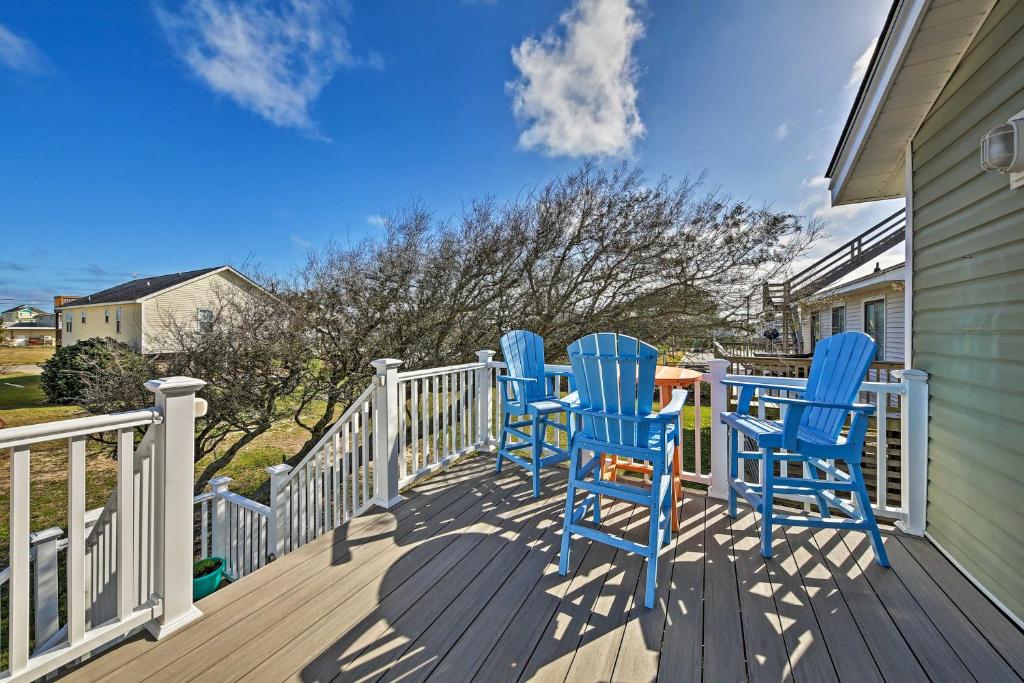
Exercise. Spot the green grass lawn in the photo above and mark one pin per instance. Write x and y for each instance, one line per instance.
(27, 355)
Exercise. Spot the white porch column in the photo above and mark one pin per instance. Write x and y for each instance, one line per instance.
(277, 525)
(174, 480)
(914, 451)
(483, 400)
(385, 433)
(719, 449)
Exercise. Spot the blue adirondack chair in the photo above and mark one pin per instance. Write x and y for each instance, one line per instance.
(810, 435)
(527, 391)
(612, 413)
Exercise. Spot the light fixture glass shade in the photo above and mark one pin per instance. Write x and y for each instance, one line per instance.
(1001, 148)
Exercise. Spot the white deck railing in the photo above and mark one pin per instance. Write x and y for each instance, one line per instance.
(233, 528)
(124, 564)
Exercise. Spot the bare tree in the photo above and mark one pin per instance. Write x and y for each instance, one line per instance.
(598, 249)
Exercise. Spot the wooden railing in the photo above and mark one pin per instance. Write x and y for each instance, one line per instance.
(125, 565)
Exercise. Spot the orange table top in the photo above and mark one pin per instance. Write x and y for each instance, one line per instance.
(667, 376)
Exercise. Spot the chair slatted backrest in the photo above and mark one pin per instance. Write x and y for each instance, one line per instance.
(614, 375)
(524, 356)
(839, 366)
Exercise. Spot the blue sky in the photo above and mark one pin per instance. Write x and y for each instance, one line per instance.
(152, 137)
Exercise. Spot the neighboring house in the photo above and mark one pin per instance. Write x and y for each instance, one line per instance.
(873, 304)
(26, 326)
(943, 75)
(141, 312)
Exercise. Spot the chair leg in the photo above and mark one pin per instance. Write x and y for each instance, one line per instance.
(733, 469)
(766, 503)
(538, 452)
(864, 503)
(597, 496)
(677, 484)
(570, 500)
(502, 440)
(654, 535)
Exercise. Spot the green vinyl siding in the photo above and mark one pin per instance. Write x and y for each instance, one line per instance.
(968, 316)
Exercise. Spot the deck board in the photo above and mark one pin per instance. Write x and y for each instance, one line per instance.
(460, 582)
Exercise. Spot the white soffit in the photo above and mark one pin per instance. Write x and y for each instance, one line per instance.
(918, 53)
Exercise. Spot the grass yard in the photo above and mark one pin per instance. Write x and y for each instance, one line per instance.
(27, 355)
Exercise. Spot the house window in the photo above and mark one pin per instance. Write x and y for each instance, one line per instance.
(874, 323)
(838, 319)
(205, 318)
(106, 316)
(83, 316)
(815, 329)
(67, 321)
(117, 320)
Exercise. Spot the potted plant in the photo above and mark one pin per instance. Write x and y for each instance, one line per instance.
(206, 576)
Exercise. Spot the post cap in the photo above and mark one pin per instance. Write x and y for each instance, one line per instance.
(718, 363)
(220, 483)
(485, 356)
(911, 375)
(175, 386)
(50, 534)
(382, 365)
(278, 470)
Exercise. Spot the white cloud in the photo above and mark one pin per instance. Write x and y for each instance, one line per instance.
(375, 219)
(301, 242)
(273, 58)
(860, 67)
(782, 131)
(576, 94)
(20, 53)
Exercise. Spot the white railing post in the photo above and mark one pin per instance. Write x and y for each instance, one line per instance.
(385, 433)
(277, 525)
(219, 517)
(174, 481)
(483, 400)
(47, 619)
(719, 449)
(914, 451)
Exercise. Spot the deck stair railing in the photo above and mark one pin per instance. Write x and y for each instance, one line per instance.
(783, 296)
(126, 565)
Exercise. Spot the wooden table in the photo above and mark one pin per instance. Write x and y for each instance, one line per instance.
(666, 378)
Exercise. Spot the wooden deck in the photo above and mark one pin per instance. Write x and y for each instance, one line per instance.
(460, 582)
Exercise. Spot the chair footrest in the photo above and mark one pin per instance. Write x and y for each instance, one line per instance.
(608, 539)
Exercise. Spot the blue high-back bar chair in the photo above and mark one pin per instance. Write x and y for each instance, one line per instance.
(612, 413)
(528, 391)
(810, 435)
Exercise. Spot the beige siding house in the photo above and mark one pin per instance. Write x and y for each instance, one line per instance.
(874, 304)
(140, 312)
(942, 76)
(26, 326)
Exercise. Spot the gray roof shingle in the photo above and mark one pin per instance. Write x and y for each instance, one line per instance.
(136, 289)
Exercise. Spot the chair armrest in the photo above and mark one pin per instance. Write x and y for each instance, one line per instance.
(512, 378)
(674, 407)
(865, 408)
(569, 401)
(560, 372)
(762, 385)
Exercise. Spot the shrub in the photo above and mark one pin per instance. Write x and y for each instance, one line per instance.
(65, 374)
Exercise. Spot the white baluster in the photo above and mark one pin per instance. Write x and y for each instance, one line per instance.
(279, 509)
(45, 590)
(914, 451)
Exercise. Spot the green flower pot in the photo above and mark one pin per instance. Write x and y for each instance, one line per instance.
(207, 584)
